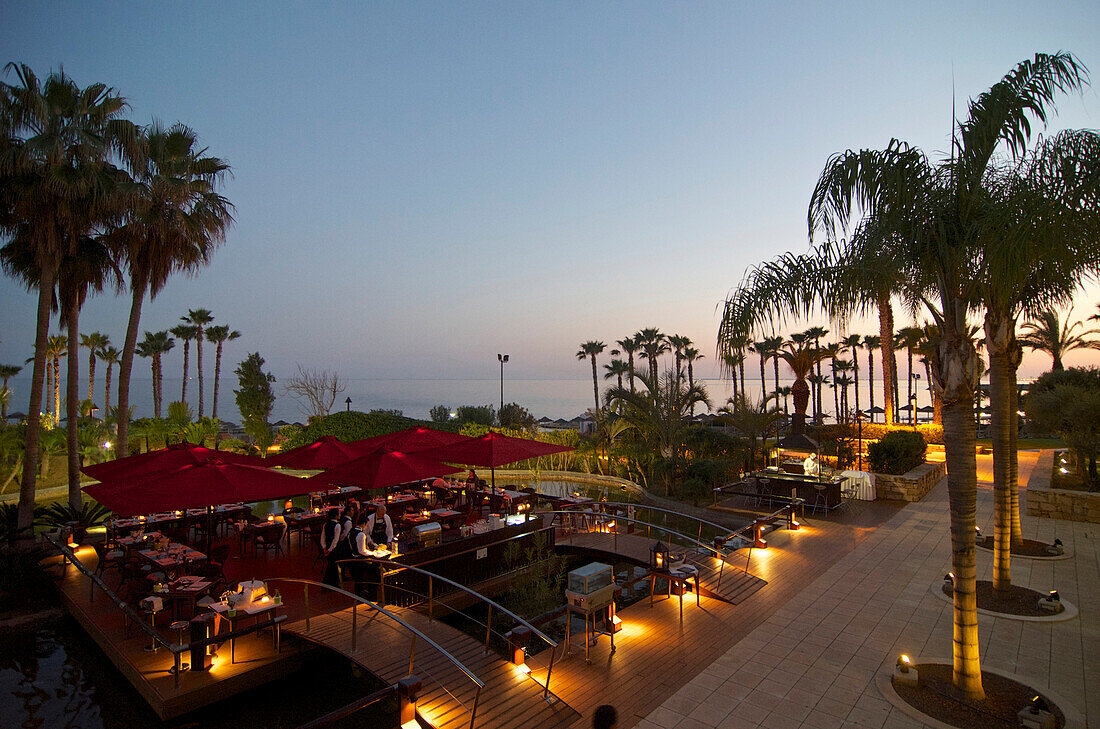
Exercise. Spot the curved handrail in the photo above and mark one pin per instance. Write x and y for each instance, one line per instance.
(395, 566)
(720, 527)
(363, 601)
(717, 553)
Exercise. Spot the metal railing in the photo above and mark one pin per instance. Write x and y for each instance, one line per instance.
(430, 597)
(416, 634)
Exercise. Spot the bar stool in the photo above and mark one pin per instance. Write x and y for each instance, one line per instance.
(820, 498)
(178, 627)
(152, 605)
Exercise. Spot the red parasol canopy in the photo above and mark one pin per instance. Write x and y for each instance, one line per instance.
(326, 452)
(210, 482)
(381, 469)
(412, 440)
(492, 450)
(167, 459)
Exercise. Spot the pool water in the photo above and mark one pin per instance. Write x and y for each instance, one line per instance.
(53, 675)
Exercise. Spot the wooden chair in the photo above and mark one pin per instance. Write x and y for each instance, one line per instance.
(109, 559)
(268, 539)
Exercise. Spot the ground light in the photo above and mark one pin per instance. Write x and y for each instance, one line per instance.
(1036, 715)
(1052, 603)
(905, 673)
(408, 688)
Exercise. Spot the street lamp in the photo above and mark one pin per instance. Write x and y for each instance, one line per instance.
(860, 415)
(502, 358)
(347, 402)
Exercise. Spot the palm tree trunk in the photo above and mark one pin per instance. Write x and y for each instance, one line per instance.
(107, 391)
(595, 384)
(156, 395)
(218, 375)
(954, 365)
(72, 405)
(741, 368)
(198, 366)
(691, 384)
(57, 391)
(836, 399)
(871, 380)
(775, 372)
(763, 380)
(158, 385)
(138, 285)
(855, 373)
(800, 391)
(186, 356)
(1002, 487)
(889, 366)
(91, 375)
(38, 374)
(1014, 357)
(630, 363)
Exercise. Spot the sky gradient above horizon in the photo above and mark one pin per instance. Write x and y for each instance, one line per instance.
(419, 186)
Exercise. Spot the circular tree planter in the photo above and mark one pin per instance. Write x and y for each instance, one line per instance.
(1022, 605)
(1030, 549)
(932, 701)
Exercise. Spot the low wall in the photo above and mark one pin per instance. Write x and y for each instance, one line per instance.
(910, 486)
(1042, 500)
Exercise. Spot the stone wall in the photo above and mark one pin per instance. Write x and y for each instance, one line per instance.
(1042, 500)
(911, 486)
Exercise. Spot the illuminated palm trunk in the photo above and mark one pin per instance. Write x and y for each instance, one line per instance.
(800, 392)
(889, 366)
(72, 406)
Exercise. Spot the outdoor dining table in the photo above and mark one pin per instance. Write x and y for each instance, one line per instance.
(251, 531)
(133, 540)
(449, 517)
(862, 483)
(342, 493)
(175, 558)
(186, 590)
(256, 608)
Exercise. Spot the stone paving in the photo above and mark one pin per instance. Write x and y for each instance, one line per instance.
(813, 664)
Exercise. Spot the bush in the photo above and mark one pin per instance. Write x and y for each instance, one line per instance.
(873, 431)
(350, 426)
(513, 415)
(440, 414)
(479, 414)
(897, 452)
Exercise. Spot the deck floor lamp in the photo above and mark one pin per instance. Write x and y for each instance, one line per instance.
(502, 358)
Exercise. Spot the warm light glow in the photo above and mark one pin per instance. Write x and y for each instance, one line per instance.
(316, 510)
(412, 723)
(905, 659)
(274, 448)
(617, 620)
(271, 517)
(1063, 469)
(107, 445)
(523, 668)
(265, 598)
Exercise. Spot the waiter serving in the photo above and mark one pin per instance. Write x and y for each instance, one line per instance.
(379, 528)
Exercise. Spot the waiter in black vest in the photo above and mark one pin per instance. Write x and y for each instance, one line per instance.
(380, 529)
(330, 539)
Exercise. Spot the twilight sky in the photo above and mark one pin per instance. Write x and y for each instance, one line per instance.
(421, 185)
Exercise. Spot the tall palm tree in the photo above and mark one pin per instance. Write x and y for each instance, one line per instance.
(154, 346)
(93, 342)
(6, 373)
(691, 355)
(854, 342)
(909, 338)
(817, 334)
(1039, 259)
(219, 335)
(653, 344)
(628, 346)
(589, 350)
(57, 141)
(175, 220)
(57, 346)
(841, 383)
(871, 343)
(617, 368)
(762, 351)
(678, 343)
(754, 420)
(1045, 333)
(185, 333)
(110, 357)
(801, 358)
(200, 318)
(936, 212)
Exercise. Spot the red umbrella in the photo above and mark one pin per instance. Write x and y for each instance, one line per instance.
(326, 452)
(492, 450)
(381, 469)
(210, 482)
(412, 440)
(167, 459)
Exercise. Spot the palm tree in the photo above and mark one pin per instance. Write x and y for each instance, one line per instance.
(854, 342)
(200, 318)
(93, 342)
(871, 343)
(589, 350)
(57, 140)
(1045, 333)
(628, 346)
(909, 338)
(617, 368)
(761, 349)
(678, 343)
(935, 216)
(785, 393)
(841, 382)
(219, 335)
(57, 346)
(753, 419)
(110, 357)
(185, 333)
(691, 355)
(659, 412)
(6, 373)
(155, 345)
(653, 344)
(801, 358)
(816, 334)
(175, 220)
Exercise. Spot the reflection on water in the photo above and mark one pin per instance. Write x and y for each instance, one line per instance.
(53, 675)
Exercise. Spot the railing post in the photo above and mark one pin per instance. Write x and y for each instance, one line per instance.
(176, 677)
(354, 624)
(307, 607)
(473, 714)
(431, 601)
(488, 627)
(549, 670)
(412, 653)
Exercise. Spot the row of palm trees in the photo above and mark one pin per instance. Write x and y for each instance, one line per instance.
(648, 344)
(89, 199)
(1006, 224)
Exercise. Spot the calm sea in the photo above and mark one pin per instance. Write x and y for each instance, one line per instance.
(550, 398)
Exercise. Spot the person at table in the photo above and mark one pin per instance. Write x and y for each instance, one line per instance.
(330, 538)
(379, 528)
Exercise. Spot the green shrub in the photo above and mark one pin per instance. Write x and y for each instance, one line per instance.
(440, 414)
(479, 414)
(897, 452)
(872, 431)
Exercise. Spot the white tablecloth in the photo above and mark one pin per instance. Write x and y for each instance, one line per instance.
(864, 484)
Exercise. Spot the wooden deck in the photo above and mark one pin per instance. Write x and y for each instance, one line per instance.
(510, 699)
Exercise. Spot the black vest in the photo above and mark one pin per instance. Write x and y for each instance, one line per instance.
(378, 533)
(329, 533)
(353, 539)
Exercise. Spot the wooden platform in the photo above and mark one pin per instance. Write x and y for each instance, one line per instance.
(510, 699)
(256, 660)
(730, 584)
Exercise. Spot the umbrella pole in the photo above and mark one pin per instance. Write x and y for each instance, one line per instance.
(493, 478)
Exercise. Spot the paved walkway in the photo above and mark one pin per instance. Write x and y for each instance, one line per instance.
(813, 663)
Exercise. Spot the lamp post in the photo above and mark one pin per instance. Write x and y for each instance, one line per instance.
(347, 402)
(859, 427)
(502, 358)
